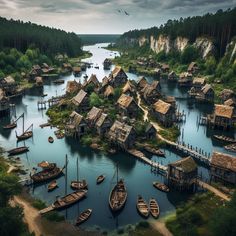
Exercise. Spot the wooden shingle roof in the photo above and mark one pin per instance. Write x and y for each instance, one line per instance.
(94, 114)
(224, 161)
(186, 165)
(101, 120)
(162, 107)
(224, 111)
(77, 100)
(125, 100)
(109, 91)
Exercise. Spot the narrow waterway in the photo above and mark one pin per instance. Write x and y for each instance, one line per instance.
(137, 176)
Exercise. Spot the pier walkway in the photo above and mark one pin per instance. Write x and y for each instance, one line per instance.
(42, 104)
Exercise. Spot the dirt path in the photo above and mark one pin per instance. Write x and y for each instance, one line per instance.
(161, 228)
(144, 109)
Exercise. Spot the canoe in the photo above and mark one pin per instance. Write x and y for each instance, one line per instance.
(18, 150)
(46, 175)
(142, 207)
(69, 199)
(52, 185)
(47, 165)
(81, 184)
(50, 139)
(154, 208)
(118, 196)
(224, 138)
(10, 126)
(25, 135)
(84, 216)
(100, 179)
(44, 95)
(161, 186)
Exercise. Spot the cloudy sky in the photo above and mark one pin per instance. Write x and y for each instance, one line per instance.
(106, 16)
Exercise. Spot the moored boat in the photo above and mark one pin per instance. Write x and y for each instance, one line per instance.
(80, 184)
(25, 135)
(100, 179)
(83, 216)
(224, 138)
(18, 150)
(51, 186)
(142, 207)
(231, 147)
(10, 126)
(154, 208)
(47, 165)
(59, 81)
(157, 152)
(44, 95)
(50, 139)
(161, 186)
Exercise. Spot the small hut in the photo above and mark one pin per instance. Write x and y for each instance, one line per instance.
(150, 132)
(142, 82)
(76, 71)
(118, 77)
(129, 89)
(8, 84)
(206, 94)
(193, 68)
(103, 124)
(93, 115)
(185, 79)
(151, 92)
(39, 81)
(182, 174)
(109, 92)
(107, 64)
(198, 83)
(93, 82)
(172, 76)
(81, 101)
(223, 168)
(165, 68)
(227, 94)
(72, 87)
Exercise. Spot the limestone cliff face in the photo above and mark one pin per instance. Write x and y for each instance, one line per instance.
(142, 40)
(181, 43)
(205, 46)
(231, 50)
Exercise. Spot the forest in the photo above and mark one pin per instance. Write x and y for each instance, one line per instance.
(220, 26)
(89, 39)
(50, 41)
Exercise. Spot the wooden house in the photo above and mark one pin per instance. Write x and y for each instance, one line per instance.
(193, 68)
(76, 71)
(118, 77)
(76, 126)
(142, 82)
(81, 101)
(172, 76)
(164, 113)
(127, 106)
(4, 104)
(227, 94)
(103, 124)
(198, 83)
(107, 64)
(171, 100)
(222, 117)
(182, 174)
(93, 82)
(157, 73)
(122, 135)
(231, 102)
(9, 85)
(72, 87)
(206, 94)
(104, 85)
(129, 89)
(109, 92)
(67, 67)
(151, 92)
(39, 81)
(165, 68)
(185, 79)
(223, 168)
(150, 132)
(93, 115)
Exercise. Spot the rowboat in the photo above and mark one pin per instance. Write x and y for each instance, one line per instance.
(18, 150)
(44, 95)
(100, 179)
(52, 185)
(69, 199)
(157, 152)
(10, 126)
(161, 186)
(47, 165)
(84, 216)
(154, 208)
(46, 175)
(142, 207)
(80, 184)
(224, 138)
(50, 139)
(231, 147)
(59, 81)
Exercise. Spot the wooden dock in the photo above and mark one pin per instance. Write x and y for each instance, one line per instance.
(42, 104)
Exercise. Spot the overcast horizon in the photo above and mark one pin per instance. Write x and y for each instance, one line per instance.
(106, 16)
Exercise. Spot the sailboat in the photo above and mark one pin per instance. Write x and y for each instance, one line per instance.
(78, 184)
(25, 133)
(118, 194)
(13, 124)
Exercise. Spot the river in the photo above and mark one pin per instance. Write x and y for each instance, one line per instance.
(137, 176)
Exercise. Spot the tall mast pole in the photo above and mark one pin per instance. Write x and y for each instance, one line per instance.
(117, 173)
(23, 122)
(77, 162)
(66, 176)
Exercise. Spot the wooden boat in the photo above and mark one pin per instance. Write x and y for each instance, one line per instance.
(46, 175)
(44, 95)
(59, 134)
(50, 139)
(142, 207)
(100, 179)
(59, 81)
(224, 138)
(80, 184)
(157, 152)
(84, 216)
(47, 165)
(25, 133)
(231, 147)
(69, 199)
(161, 186)
(52, 185)
(96, 67)
(154, 208)
(85, 76)
(10, 126)
(18, 150)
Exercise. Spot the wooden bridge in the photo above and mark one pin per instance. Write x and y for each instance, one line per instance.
(42, 104)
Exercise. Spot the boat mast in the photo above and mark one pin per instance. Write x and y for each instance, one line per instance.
(117, 173)
(77, 163)
(23, 116)
(66, 176)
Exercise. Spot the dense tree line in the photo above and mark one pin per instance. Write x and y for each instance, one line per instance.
(220, 26)
(89, 39)
(50, 41)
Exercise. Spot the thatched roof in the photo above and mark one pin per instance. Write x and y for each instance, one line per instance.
(192, 65)
(224, 161)
(165, 67)
(77, 69)
(224, 111)
(230, 102)
(109, 91)
(72, 86)
(94, 114)
(9, 80)
(149, 127)
(129, 87)
(78, 99)
(199, 80)
(93, 79)
(161, 106)
(105, 81)
(101, 119)
(38, 80)
(116, 71)
(149, 88)
(172, 74)
(76, 118)
(184, 75)
(3, 95)
(125, 100)
(186, 165)
(227, 93)
(142, 82)
(206, 88)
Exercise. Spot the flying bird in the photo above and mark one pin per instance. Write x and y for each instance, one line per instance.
(126, 13)
(121, 11)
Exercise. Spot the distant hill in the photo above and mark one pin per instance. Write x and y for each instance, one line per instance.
(50, 41)
(89, 39)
